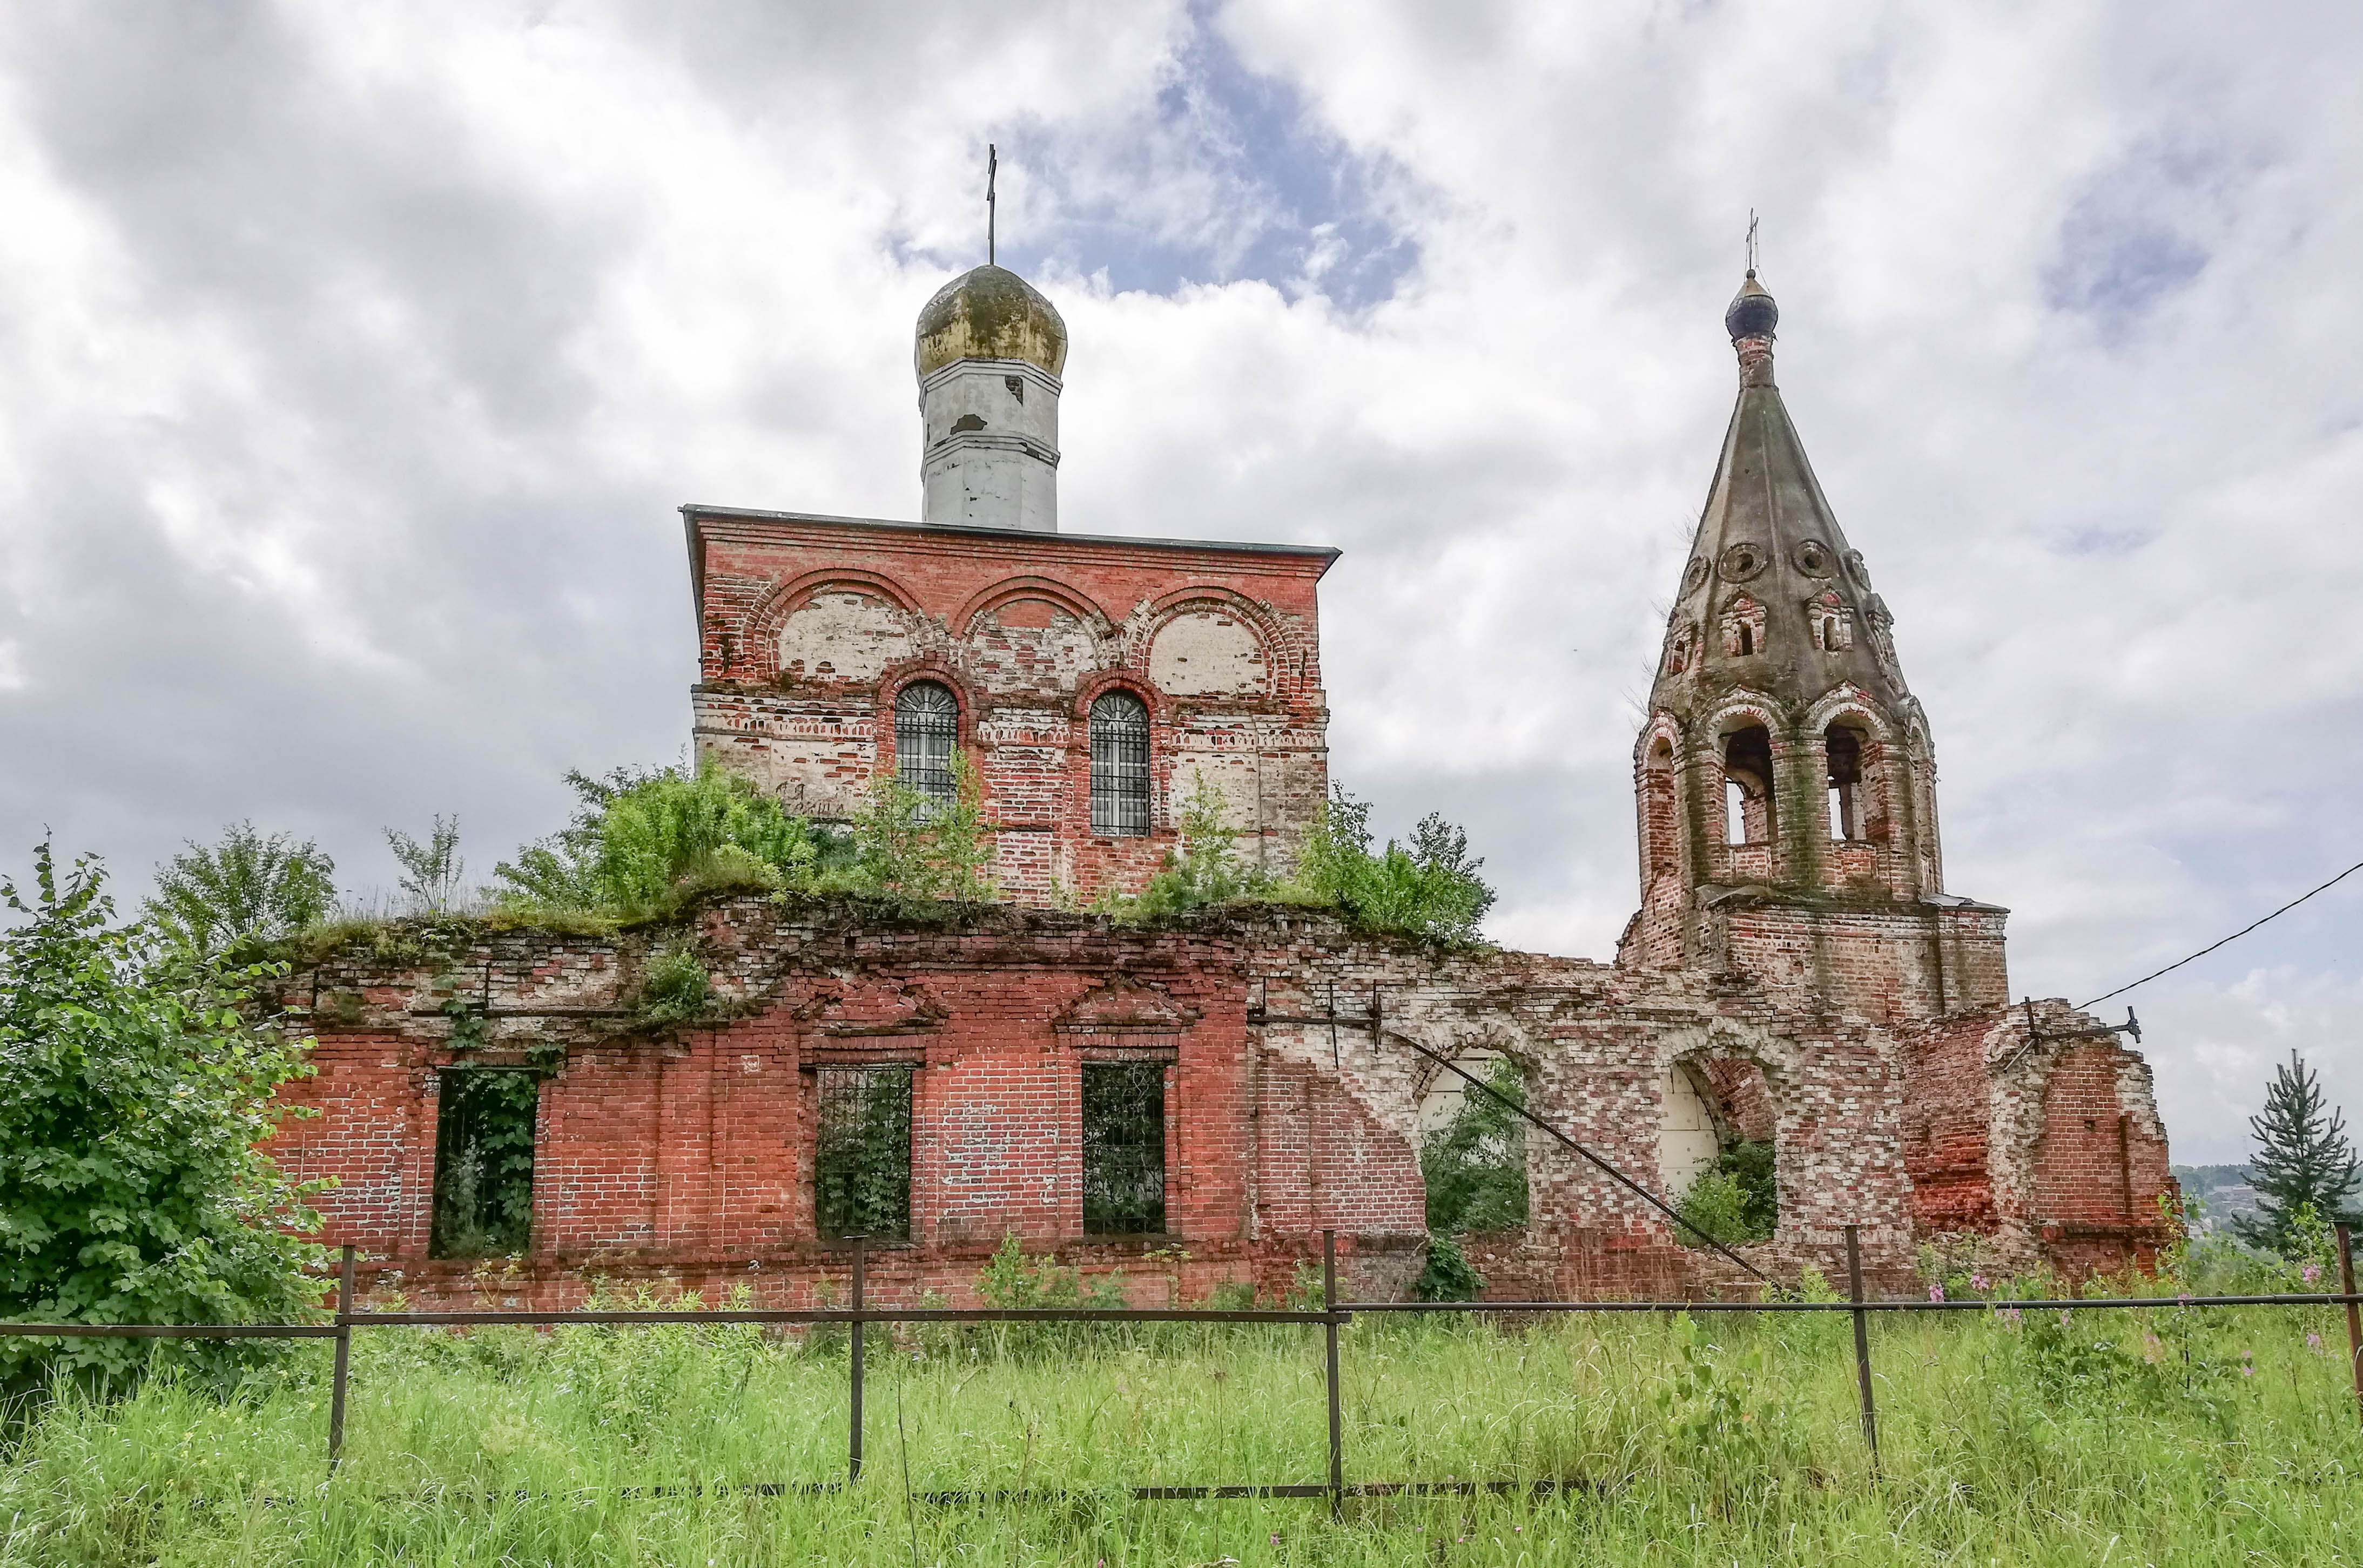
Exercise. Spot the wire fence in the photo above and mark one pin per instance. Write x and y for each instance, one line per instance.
(1333, 1315)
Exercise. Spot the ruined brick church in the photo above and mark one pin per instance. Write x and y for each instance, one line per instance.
(1217, 1089)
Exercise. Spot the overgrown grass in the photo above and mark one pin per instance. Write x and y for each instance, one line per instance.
(1720, 1439)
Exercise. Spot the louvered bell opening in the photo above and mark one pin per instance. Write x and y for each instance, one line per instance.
(927, 733)
(1119, 765)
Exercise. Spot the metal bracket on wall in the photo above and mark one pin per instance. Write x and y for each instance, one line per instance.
(2036, 1036)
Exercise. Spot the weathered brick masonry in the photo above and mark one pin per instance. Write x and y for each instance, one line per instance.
(814, 626)
(684, 1154)
(1797, 973)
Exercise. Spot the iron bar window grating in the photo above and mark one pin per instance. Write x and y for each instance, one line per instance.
(483, 1162)
(1123, 1148)
(1119, 726)
(927, 733)
(861, 1159)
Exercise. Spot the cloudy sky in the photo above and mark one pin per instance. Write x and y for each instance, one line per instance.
(354, 358)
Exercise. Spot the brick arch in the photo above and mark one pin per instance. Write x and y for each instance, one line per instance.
(1074, 600)
(784, 598)
(760, 629)
(1160, 707)
(1278, 646)
(936, 668)
(1840, 702)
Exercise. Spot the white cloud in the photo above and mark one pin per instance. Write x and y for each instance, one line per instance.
(357, 358)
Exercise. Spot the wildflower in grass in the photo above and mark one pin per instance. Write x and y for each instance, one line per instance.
(2312, 1273)
(2063, 1316)
(2314, 1343)
(2010, 1316)
(1936, 1292)
(1980, 1281)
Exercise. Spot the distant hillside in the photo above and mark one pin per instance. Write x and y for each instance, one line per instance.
(2221, 1191)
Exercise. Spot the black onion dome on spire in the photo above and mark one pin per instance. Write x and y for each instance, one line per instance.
(1752, 313)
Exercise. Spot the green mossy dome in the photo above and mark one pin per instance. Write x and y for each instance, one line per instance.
(990, 314)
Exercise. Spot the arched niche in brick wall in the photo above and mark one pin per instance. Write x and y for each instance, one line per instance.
(1208, 647)
(845, 632)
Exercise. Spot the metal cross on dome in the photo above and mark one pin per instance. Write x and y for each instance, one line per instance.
(1751, 242)
(993, 170)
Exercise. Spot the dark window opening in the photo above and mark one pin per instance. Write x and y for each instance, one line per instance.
(1017, 385)
(1845, 748)
(968, 422)
(1746, 638)
(1123, 1148)
(927, 733)
(1119, 764)
(861, 1157)
(483, 1163)
(1747, 791)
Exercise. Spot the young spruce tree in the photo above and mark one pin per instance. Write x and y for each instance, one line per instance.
(2303, 1159)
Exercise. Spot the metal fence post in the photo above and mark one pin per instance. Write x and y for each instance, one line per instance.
(344, 1359)
(860, 1273)
(1337, 1423)
(1862, 1346)
(2353, 1318)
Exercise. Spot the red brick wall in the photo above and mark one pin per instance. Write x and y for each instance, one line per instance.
(1025, 630)
(684, 1155)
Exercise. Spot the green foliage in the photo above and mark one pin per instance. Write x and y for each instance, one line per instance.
(1475, 1165)
(483, 1163)
(1013, 1277)
(1734, 1200)
(910, 846)
(133, 1097)
(643, 839)
(1430, 890)
(861, 1160)
(1446, 1274)
(1724, 1419)
(209, 899)
(1618, 1439)
(2303, 1159)
(433, 875)
(1205, 870)
(675, 987)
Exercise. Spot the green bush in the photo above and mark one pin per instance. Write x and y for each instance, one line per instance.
(674, 986)
(134, 1097)
(209, 899)
(1734, 1200)
(1205, 870)
(1446, 1274)
(1430, 890)
(643, 840)
(1475, 1167)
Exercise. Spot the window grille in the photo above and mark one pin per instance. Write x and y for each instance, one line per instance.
(927, 733)
(483, 1163)
(1123, 1148)
(1119, 764)
(861, 1159)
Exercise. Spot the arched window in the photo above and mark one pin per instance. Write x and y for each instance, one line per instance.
(1119, 764)
(1747, 786)
(927, 733)
(1845, 747)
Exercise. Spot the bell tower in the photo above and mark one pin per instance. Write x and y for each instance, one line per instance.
(1785, 766)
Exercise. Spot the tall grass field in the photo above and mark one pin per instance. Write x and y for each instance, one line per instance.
(2159, 1435)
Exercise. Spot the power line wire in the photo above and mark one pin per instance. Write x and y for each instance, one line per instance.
(2235, 936)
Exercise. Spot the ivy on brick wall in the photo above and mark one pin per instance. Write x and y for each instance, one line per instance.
(483, 1163)
(1123, 1148)
(861, 1159)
